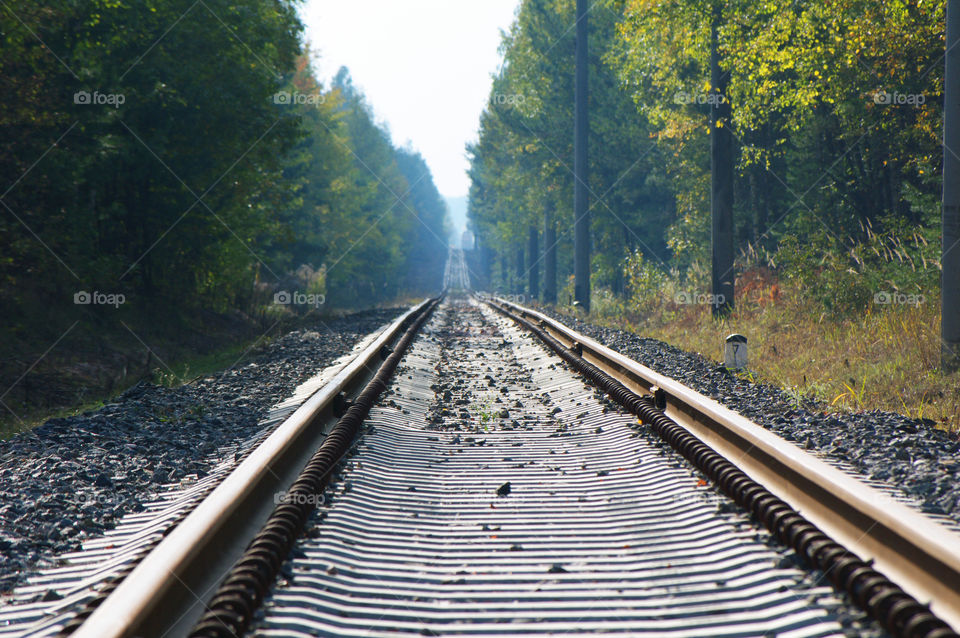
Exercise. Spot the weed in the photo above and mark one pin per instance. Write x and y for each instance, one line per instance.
(485, 412)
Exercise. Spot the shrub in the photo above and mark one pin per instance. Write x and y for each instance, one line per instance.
(645, 282)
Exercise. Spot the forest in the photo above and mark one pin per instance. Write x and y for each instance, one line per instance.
(174, 169)
(835, 110)
(165, 160)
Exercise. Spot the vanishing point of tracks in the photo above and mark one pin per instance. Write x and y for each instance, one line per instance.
(480, 469)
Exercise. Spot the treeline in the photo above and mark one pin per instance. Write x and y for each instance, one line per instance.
(835, 111)
(183, 155)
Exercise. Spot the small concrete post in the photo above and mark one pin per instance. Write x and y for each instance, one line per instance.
(735, 352)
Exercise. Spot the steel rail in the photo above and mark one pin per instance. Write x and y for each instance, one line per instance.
(193, 557)
(241, 592)
(915, 552)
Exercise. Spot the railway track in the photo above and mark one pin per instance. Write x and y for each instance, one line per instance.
(479, 485)
(455, 275)
(533, 508)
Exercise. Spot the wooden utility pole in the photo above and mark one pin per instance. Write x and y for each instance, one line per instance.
(581, 214)
(950, 248)
(721, 177)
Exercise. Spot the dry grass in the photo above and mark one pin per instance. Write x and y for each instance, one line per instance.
(886, 359)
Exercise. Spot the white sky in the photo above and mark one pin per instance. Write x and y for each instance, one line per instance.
(424, 66)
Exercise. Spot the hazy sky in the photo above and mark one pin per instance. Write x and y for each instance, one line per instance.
(424, 66)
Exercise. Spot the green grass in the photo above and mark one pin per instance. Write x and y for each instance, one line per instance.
(195, 367)
(31, 419)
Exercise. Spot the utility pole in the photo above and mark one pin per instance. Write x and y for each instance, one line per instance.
(721, 177)
(489, 255)
(519, 284)
(549, 258)
(950, 248)
(581, 214)
(533, 248)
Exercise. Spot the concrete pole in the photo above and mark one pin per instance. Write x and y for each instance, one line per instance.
(950, 249)
(519, 283)
(533, 250)
(549, 259)
(504, 275)
(721, 169)
(581, 231)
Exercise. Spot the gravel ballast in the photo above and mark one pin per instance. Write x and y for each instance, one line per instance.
(73, 478)
(908, 454)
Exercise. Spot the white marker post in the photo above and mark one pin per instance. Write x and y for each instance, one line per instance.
(735, 352)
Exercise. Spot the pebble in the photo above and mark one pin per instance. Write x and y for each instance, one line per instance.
(75, 477)
(884, 446)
